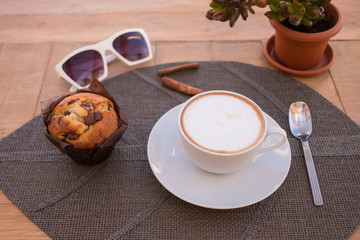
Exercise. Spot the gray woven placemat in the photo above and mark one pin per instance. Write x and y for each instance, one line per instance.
(121, 198)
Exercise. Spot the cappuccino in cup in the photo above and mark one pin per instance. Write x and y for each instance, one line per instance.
(223, 122)
(222, 131)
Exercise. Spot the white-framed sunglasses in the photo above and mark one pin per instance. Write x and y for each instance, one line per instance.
(131, 46)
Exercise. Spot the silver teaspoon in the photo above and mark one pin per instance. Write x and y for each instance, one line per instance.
(301, 128)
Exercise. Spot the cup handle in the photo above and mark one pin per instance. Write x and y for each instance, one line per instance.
(268, 147)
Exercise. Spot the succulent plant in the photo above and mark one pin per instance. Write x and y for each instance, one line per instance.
(305, 12)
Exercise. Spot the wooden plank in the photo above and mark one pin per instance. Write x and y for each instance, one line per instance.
(15, 225)
(22, 67)
(350, 30)
(250, 52)
(95, 27)
(346, 73)
(10, 7)
(25, 7)
(178, 23)
(355, 235)
(182, 51)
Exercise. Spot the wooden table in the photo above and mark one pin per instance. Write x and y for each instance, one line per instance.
(35, 35)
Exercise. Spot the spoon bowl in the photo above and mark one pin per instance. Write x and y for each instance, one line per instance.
(300, 120)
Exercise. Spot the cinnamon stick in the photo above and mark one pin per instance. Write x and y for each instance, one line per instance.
(179, 86)
(169, 70)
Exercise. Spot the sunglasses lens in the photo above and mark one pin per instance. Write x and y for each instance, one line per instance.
(131, 46)
(84, 66)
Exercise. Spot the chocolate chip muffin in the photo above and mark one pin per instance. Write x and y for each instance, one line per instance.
(84, 120)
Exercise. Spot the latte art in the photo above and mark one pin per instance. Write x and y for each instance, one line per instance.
(223, 123)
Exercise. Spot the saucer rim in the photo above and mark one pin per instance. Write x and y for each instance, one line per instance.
(178, 194)
(328, 54)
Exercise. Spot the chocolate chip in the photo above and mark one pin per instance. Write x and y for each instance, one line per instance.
(59, 120)
(90, 119)
(67, 112)
(86, 104)
(73, 136)
(89, 107)
(73, 100)
(97, 115)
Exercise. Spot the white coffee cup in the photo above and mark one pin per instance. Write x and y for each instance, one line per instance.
(222, 131)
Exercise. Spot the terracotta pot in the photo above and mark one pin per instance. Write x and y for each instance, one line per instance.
(300, 50)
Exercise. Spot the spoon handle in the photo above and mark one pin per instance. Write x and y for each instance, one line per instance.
(315, 188)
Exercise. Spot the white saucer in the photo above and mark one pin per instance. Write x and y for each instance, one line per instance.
(176, 172)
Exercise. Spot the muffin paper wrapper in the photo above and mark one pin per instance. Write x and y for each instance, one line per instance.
(85, 156)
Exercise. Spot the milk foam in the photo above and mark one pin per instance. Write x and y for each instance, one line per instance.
(222, 123)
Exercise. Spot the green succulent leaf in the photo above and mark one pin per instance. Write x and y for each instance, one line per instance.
(295, 18)
(291, 7)
(251, 10)
(274, 5)
(275, 16)
(314, 19)
(307, 22)
(299, 3)
(215, 5)
(315, 11)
